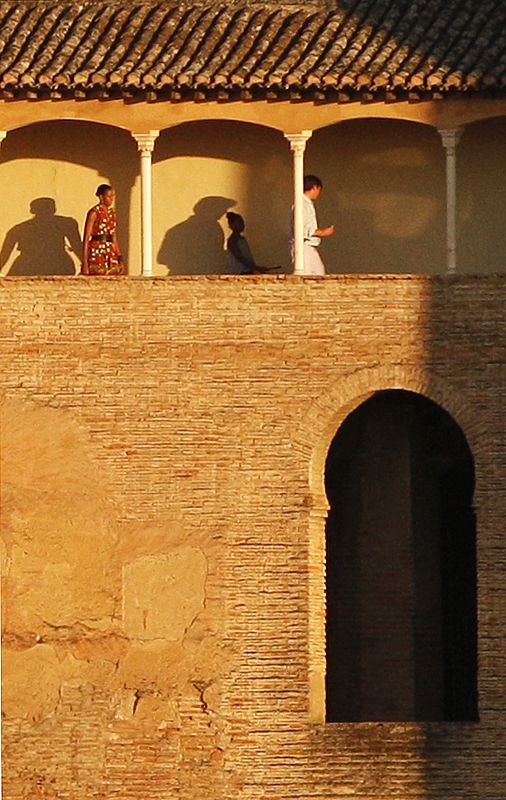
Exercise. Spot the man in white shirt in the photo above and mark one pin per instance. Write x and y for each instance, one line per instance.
(313, 265)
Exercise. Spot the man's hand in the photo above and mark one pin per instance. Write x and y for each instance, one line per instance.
(327, 231)
(321, 232)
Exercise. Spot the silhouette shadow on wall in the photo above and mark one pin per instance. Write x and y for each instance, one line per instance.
(43, 242)
(108, 152)
(196, 246)
(248, 162)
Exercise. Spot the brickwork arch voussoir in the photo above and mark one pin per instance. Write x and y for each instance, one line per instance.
(327, 414)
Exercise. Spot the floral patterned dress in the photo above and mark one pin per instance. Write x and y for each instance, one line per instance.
(102, 256)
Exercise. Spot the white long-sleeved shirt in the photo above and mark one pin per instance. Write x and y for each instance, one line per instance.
(310, 224)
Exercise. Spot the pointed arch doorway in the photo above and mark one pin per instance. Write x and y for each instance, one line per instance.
(401, 565)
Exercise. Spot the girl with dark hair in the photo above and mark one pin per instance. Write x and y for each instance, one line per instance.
(240, 257)
(101, 253)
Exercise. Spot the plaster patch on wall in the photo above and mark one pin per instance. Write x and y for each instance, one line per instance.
(44, 449)
(163, 594)
(156, 664)
(30, 682)
(58, 526)
(63, 556)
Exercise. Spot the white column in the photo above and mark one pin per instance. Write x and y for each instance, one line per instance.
(3, 134)
(450, 138)
(146, 144)
(298, 146)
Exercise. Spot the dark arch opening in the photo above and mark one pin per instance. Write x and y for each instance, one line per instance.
(401, 565)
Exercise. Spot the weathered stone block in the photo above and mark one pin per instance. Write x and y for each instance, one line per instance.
(163, 594)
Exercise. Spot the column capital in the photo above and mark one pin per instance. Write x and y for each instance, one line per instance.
(450, 137)
(146, 141)
(298, 140)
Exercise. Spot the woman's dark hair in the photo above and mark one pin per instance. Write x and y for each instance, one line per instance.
(310, 181)
(102, 189)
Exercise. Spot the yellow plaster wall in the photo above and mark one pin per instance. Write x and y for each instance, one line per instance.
(384, 191)
(200, 171)
(64, 162)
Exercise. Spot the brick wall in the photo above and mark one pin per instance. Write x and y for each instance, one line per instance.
(162, 477)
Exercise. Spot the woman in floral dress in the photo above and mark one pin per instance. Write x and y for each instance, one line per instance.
(101, 253)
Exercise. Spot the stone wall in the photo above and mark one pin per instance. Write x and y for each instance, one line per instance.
(163, 444)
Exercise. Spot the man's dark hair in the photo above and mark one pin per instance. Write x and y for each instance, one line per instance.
(310, 181)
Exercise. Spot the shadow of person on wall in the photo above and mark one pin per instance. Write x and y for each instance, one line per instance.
(44, 242)
(196, 246)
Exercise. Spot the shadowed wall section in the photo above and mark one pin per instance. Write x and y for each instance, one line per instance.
(481, 195)
(385, 192)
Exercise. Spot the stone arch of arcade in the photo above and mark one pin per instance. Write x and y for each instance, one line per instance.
(307, 128)
(226, 164)
(384, 192)
(283, 116)
(413, 195)
(205, 168)
(52, 169)
(481, 196)
(312, 443)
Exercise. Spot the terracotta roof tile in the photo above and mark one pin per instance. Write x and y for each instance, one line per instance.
(322, 49)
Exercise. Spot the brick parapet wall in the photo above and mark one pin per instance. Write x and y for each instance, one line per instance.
(206, 405)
